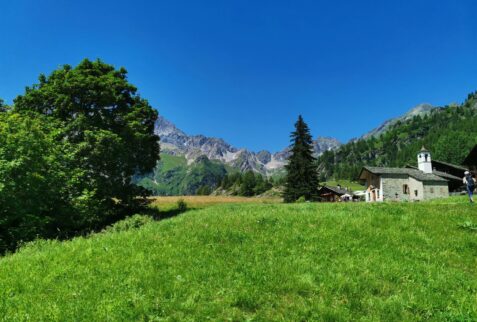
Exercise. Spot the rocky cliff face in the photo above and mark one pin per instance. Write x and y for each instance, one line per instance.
(175, 142)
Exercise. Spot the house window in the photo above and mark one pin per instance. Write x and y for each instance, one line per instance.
(432, 190)
(415, 193)
(405, 189)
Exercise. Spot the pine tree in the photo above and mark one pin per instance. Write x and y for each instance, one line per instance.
(302, 174)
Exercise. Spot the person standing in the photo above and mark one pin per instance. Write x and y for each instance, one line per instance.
(469, 182)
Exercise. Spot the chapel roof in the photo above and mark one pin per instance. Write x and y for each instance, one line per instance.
(416, 174)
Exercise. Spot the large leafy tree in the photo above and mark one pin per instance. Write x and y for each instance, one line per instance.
(302, 174)
(109, 126)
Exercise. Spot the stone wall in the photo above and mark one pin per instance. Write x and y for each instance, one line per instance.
(416, 188)
(434, 190)
(393, 187)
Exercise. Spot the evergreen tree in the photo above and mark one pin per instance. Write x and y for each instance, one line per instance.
(302, 172)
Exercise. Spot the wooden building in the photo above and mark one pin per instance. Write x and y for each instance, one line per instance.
(334, 194)
(471, 160)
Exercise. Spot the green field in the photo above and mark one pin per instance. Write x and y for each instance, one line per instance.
(257, 262)
(354, 186)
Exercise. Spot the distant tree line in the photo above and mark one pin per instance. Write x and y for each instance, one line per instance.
(69, 147)
(246, 184)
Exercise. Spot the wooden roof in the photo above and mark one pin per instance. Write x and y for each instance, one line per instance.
(471, 159)
(334, 190)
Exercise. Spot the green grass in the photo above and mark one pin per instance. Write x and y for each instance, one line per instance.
(345, 184)
(299, 262)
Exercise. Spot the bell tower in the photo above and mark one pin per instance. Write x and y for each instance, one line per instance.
(424, 161)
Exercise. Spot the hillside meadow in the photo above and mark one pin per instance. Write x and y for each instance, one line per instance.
(257, 262)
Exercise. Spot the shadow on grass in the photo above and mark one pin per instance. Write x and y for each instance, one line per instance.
(160, 214)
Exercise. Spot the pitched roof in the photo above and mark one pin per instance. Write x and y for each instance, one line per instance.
(472, 157)
(336, 190)
(416, 174)
(446, 175)
(459, 167)
(439, 173)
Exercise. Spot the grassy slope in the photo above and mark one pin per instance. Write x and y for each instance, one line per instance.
(169, 172)
(388, 262)
(354, 186)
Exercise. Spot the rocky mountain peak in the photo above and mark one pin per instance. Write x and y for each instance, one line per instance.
(176, 142)
(421, 109)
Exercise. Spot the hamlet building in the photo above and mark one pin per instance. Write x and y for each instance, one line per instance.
(409, 184)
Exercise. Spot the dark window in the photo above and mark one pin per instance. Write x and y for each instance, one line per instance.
(405, 189)
(415, 193)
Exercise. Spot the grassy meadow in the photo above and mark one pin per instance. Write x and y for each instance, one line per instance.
(257, 262)
(195, 202)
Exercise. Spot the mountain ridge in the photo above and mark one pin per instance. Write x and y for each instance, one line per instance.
(174, 141)
(189, 162)
(421, 109)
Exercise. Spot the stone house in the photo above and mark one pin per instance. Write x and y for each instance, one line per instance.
(405, 184)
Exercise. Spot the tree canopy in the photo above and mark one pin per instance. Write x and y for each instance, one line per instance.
(69, 149)
(111, 126)
(34, 178)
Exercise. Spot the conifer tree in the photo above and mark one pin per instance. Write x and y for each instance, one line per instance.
(302, 174)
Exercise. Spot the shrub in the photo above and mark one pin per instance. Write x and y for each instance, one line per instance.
(301, 199)
(181, 205)
(132, 222)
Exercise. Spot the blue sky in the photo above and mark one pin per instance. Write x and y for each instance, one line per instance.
(244, 70)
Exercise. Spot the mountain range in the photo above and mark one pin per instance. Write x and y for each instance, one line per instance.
(189, 162)
(176, 142)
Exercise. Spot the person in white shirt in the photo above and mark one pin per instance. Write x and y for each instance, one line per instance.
(469, 182)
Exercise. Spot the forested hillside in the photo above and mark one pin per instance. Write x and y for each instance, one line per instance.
(448, 132)
(173, 176)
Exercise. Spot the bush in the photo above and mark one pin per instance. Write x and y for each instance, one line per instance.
(301, 199)
(132, 222)
(181, 205)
